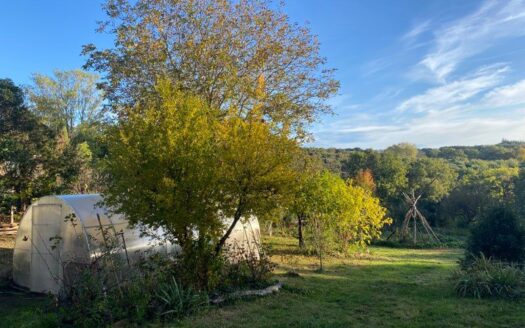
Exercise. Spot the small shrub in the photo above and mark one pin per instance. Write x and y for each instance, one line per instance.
(488, 278)
(248, 268)
(198, 266)
(105, 294)
(260, 266)
(498, 235)
(109, 290)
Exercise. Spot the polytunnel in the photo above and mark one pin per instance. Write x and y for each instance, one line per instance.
(60, 234)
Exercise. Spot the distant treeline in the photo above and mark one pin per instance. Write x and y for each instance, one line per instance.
(334, 158)
(458, 183)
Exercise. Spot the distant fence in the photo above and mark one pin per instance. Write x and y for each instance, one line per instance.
(8, 229)
(8, 224)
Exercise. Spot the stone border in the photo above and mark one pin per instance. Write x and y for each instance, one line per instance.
(251, 292)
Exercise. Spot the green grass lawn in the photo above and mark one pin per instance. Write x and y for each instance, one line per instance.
(385, 288)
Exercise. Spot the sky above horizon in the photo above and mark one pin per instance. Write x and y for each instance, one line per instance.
(432, 73)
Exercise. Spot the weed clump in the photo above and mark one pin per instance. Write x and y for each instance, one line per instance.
(485, 278)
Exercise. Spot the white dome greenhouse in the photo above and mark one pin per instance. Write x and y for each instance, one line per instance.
(59, 234)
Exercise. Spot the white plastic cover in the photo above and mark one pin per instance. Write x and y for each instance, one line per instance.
(59, 232)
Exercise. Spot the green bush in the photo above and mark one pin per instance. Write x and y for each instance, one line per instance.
(497, 235)
(198, 267)
(158, 287)
(106, 294)
(485, 277)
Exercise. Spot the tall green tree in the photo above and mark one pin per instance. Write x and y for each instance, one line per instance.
(338, 214)
(391, 176)
(256, 168)
(28, 167)
(432, 177)
(404, 150)
(465, 204)
(306, 168)
(67, 99)
(324, 206)
(362, 218)
(388, 169)
(69, 103)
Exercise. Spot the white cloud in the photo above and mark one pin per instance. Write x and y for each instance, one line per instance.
(416, 30)
(376, 65)
(507, 95)
(437, 132)
(457, 113)
(369, 128)
(472, 35)
(430, 131)
(455, 93)
(460, 110)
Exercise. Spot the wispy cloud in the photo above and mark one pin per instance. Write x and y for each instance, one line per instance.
(416, 31)
(477, 99)
(369, 128)
(454, 93)
(507, 95)
(376, 65)
(429, 131)
(472, 35)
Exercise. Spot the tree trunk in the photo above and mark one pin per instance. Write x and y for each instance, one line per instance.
(300, 219)
(320, 260)
(269, 228)
(236, 218)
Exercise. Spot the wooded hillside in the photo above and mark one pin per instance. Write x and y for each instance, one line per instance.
(458, 183)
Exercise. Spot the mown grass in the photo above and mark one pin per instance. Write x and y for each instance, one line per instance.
(385, 287)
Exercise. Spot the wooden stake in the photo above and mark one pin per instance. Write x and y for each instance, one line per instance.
(414, 214)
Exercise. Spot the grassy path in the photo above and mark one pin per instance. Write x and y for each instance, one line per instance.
(386, 288)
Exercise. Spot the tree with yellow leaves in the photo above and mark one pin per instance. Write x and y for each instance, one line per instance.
(216, 49)
(161, 169)
(339, 215)
(175, 163)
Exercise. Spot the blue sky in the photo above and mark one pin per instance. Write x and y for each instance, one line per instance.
(433, 72)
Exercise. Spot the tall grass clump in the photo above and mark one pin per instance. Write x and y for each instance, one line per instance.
(176, 301)
(485, 278)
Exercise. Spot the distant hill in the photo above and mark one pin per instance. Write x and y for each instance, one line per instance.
(334, 158)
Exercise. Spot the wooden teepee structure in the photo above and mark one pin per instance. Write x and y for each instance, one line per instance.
(415, 215)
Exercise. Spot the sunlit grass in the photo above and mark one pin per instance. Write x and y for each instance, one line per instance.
(383, 287)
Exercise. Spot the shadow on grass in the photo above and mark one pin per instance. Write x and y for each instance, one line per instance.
(6, 260)
(289, 252)
(430, 256)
